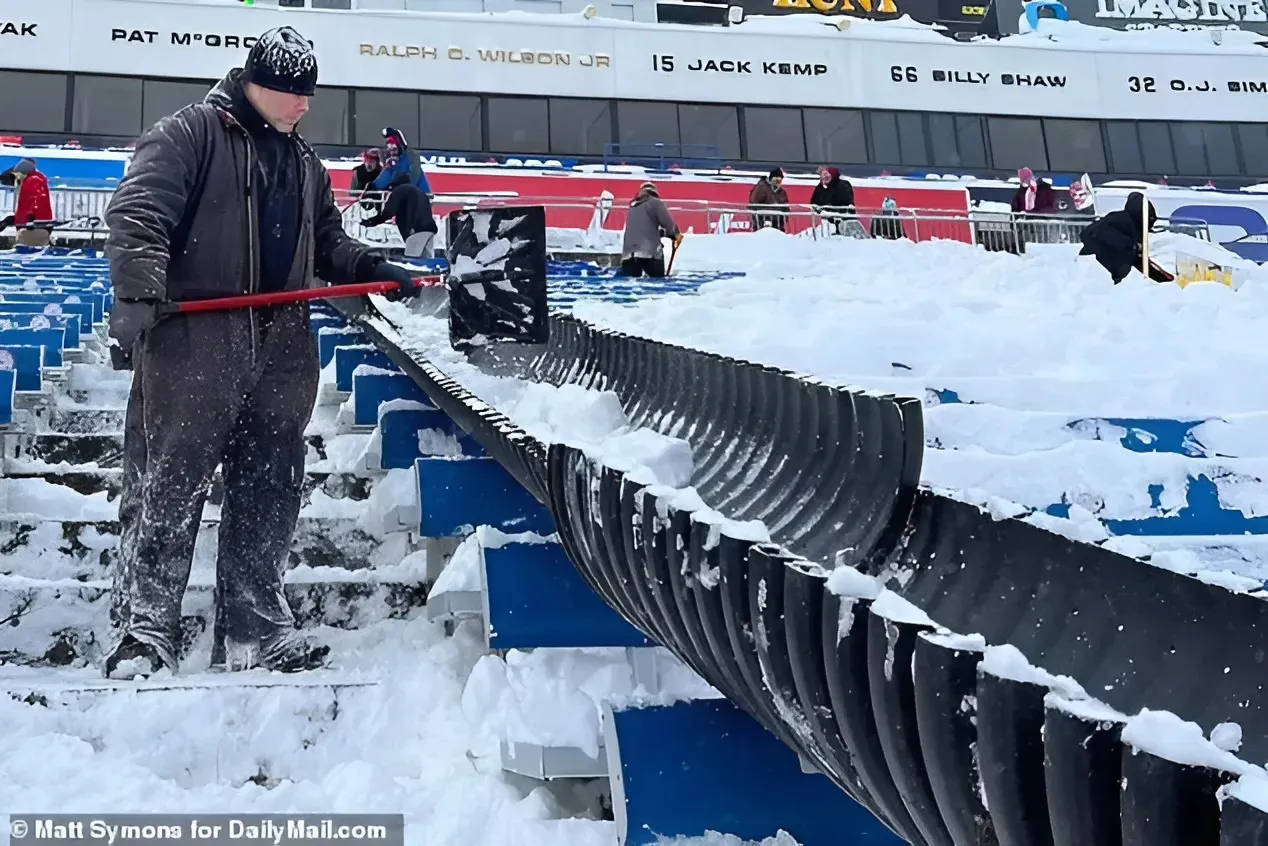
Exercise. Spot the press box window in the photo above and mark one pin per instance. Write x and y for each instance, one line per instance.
(773, 135)
(643, 123)
(33, 102)
(1017, 143)
(518, 125)
(374, 110)
(1074, 145)
(835, 136)
(451, 123)
(706, 129)
(580, 127)
(106, 105)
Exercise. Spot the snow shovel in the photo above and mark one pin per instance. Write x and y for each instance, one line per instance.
(673, 254)
(122, 360)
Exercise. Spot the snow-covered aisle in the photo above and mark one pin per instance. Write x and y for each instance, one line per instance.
(406, 746)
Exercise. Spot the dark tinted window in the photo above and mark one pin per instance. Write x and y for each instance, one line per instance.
(1017, 143)
(1074, 145)
(580, 127)
(957, 140)
(773, 135)
(162, 98)
(1221, 151)
(518, 125)
(327, 118)
(898, 138)
(1254, 142)
(32, 102)
(106, 105)
(1155, 148)
(450, 123)
(835, 136)
(1124, 148)
(1204, 149)
(709, 126)
(373, 110)
(640, 123)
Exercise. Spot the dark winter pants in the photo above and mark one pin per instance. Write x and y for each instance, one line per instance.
(198, 400)
(635, 266)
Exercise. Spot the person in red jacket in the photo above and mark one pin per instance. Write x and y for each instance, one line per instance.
(33, 203)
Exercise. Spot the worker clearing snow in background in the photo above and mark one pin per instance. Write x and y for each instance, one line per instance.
(32, 206)
(1117, 239)
(402, 165)
(648, 220)
(411, 208)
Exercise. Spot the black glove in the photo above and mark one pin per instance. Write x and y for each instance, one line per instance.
(388, 272)
(5, 223)
(129, 320)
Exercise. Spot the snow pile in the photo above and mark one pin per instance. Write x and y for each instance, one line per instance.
(406, 746)
(589, 420)
(1020, 359)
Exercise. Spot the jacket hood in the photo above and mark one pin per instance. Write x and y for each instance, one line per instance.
(24, 167)
(391, 133)
(1135, 205)
(229, 95)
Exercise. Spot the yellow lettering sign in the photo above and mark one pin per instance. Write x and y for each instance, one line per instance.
(556, 58)
(845, 7)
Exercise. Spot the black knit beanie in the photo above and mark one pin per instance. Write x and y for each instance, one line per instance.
(282, 60)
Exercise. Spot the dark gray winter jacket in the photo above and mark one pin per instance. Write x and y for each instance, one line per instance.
(648, 220)
(203, 148)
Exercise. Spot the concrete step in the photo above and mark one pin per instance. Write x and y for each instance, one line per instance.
(81, 420)
(109, 480)
(49, 686)
(67, 623)
(57, 448)
(32, 452)
(81, 550)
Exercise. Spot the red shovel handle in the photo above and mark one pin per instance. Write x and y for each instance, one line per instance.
(285, 297)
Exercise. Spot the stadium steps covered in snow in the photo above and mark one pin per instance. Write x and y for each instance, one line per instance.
(967, 678)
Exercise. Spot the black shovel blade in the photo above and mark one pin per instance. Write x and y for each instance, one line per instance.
(497, 276)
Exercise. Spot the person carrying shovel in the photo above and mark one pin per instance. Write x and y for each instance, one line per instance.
(222, 199)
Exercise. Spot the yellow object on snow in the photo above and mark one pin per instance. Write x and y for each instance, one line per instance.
(1190, 271)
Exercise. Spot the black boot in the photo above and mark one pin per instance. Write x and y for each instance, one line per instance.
(289, 653)
(133, 658)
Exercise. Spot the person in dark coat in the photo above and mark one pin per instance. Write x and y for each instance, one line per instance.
(1116, 239)
(833, 193)
(411, 209)
(222, 198)
(833, 198)
(768, 199)
(402, 165)
(363, 176)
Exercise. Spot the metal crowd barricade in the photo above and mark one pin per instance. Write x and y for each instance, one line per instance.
(80, 212)
(992, 230)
